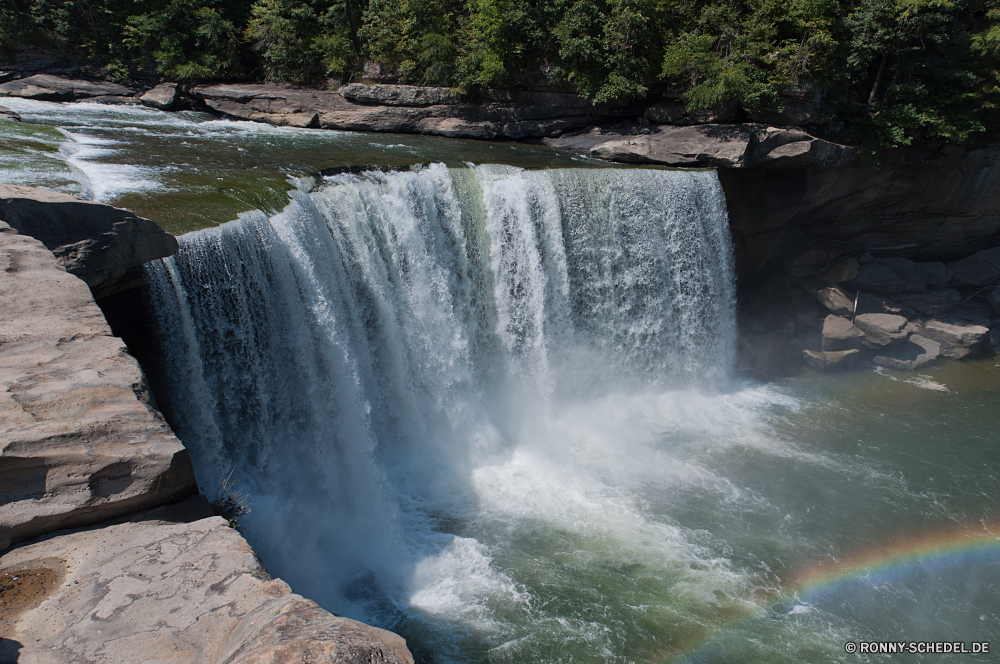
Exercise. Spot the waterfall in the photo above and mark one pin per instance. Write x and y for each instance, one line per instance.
(353, 359)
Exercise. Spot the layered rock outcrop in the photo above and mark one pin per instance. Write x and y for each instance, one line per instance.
(399, 109)
(46, 87)
(79, 442)
(172, 584)
(100, 244)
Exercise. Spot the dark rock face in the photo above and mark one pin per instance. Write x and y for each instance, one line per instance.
(102, 245)
(45, 87)
(921, 206)
(79, 442)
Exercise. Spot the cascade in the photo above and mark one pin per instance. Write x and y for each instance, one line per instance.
(357, 360)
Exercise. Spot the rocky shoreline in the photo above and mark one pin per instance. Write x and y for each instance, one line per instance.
(108, 553)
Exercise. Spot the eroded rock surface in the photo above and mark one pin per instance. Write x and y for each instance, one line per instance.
(46, 87)
(7, 114)
(156, 588)
(79, 442)
(102, 245)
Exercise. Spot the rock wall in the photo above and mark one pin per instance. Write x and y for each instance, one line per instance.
(82, 443)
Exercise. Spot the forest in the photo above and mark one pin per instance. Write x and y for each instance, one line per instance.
(893, 72)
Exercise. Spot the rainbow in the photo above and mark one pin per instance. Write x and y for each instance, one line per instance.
(943, 548)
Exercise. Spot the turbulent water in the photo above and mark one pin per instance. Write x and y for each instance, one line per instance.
(494, 410)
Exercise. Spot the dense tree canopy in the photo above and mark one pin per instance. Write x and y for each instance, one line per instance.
(893, 72)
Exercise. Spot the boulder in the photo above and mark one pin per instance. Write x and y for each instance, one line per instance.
(819, 253)
(7, 114)
(979, 269)
(79, 441)
(46, 87)
(727, 146)
(915, 353)
(833, 298)
(882, 330)
(934, 302)
(840, 334)
(876, 277)
(164, 96)
(398, 95)
(102, 245)
(169, 585)
(830, 359)
(958, 338)
(994, 300)
(845, 270)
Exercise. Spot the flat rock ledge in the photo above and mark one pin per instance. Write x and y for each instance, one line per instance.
(46, 87)
(102, 245)
(746, 145)
(174, 584)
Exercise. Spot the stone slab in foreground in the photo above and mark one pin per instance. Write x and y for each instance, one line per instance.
(78, 441)
(101, 244)
(157, 590)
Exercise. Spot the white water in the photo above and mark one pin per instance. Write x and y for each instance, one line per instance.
(395, 352)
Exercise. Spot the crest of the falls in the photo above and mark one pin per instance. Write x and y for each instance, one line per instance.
(355, 359)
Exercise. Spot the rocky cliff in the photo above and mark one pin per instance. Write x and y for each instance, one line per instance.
(81, 443)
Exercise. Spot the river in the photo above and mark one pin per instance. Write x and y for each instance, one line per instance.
(490, 402)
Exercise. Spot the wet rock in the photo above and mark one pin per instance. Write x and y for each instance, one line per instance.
(164, 96)
(994, 300)
(958, 338)
(845, 270)
(934, 302)
(79, 442)
(882, 330)
(45, 87)
(102, 245)
(830, 359)
(876, 277)
(834, 299)
(398, 95)
(153, 589)
(7, 114)
(979, 269)
(913, 354)
(840, 334)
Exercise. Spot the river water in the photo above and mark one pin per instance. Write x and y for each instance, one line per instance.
(495, 410)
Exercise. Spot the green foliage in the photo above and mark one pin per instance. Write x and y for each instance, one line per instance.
(230, 503)
(892, 72)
